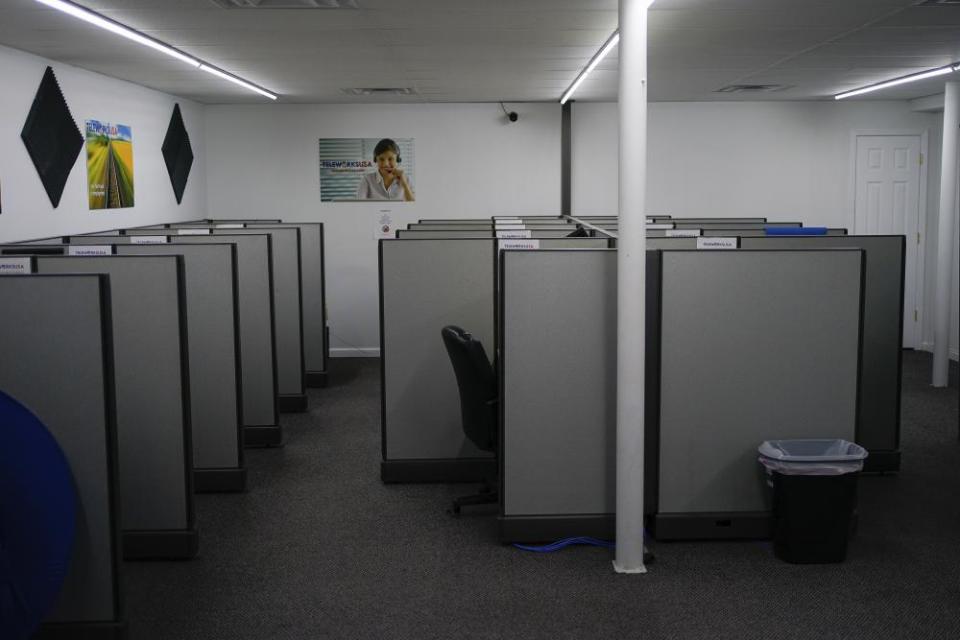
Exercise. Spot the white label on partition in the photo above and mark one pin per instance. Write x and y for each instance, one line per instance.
(89, 250)
(194, 232)
(660, 225)
(15, 266)
(518, 244)
(148, 240)
(510, 226)
(716, 243)
(517, 233)
(684, 233)
(229, 225)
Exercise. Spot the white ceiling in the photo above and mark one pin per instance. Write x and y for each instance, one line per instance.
(511, 50)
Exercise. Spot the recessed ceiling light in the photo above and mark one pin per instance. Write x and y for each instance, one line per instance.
(91, 17)
(898, 81)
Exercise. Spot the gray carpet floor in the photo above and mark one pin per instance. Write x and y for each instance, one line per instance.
(320, 548)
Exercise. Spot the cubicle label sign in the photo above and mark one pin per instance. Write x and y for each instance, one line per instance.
(515, 233)
(509, 226)
(148, 240)
(15, 266)
(684, 233)
(229, 225)
(90, 250)
(718, 243)
(194, 232)
(518, 244)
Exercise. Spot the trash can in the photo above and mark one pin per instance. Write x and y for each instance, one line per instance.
(814, 496)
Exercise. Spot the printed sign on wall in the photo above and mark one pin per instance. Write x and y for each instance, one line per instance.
(109, 165)
(363, 169)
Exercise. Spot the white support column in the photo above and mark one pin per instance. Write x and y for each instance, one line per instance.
(631, 288)
(945, 248)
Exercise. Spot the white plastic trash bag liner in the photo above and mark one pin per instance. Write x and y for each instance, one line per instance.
(812, 457)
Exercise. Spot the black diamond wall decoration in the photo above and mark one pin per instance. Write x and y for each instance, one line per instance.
(51, 137)
(177, 153)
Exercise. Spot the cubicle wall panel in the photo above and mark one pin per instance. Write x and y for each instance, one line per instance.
(57, 363)
(424, 286)
(559, 385)
(258, 367)
(212, 338)
(153, 432)
(879, 427)
(756, 345)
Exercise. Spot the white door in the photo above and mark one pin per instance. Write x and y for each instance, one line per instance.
(887, 203)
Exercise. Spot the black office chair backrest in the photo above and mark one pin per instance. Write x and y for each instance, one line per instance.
(580, 232)
(477, 384)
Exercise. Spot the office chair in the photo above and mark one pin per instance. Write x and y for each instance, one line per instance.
(478, 402)
(580, 232)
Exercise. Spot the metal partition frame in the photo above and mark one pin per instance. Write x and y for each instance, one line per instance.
(424, 286)
(213, 319)
(148, 301)
(39, 369)
(755, 345)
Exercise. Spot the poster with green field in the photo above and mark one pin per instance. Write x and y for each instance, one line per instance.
(109, 165)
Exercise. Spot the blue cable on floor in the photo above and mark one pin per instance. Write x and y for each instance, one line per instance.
(566, 542)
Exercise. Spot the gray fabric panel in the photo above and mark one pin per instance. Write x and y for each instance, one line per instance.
(756, 345)
(150, 395)
(287, 305)
(208, 277)
(559, 324)
(53, 363)
(257, 357)
(426, 285)
(882, 334)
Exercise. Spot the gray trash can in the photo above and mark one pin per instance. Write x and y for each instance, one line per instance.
(814, 486)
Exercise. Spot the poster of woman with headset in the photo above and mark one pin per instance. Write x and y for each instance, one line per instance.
(364, 169)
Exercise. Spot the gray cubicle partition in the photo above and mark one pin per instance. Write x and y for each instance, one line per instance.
(65, 377)
(287, 307)
(424, 286)
(210, 277)
(726, 224)
(734, 231)
(422, 233)
(754, 345)
(153, 398)
(746, 340)
(313, 293)
(213, 353)
(258, 370)
(878, 426)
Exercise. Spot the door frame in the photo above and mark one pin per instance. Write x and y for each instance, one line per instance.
(919, 279)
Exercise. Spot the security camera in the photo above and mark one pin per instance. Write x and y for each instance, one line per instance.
(512, 116)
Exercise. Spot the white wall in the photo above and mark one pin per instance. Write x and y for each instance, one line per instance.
(27, 212)
(262, 161)
(782, 160)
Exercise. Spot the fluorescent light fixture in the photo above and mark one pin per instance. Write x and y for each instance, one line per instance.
(235, 80)
(898, 81)
(115, 27)
(594, 61)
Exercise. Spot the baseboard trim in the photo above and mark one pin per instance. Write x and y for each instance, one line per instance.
(219, 480)
(161, 545)
(106, 630)
(882, 462)
(354, 352)
(533, 529)
(263, 436)
(752, 525)
(453, 470)
(316, 379)
(292, 403)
